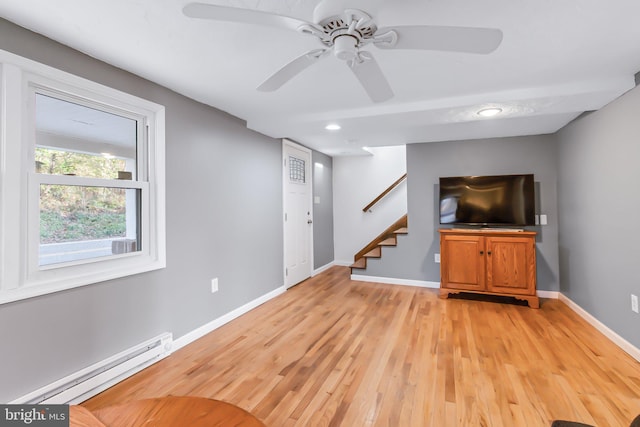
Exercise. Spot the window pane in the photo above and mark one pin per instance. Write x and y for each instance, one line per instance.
(56, 162)
(78, 222)
(296, 170)
(73, 139)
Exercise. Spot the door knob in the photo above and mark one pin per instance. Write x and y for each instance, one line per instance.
(309, 221)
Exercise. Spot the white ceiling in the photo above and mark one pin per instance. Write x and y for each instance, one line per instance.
(557, 59)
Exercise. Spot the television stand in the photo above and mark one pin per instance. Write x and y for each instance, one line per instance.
(491, 262)
(488, 229)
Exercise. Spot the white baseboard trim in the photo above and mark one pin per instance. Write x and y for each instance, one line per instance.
(392, 281)
(323, 268)
(190, 337)
(614, 337)
(548, 294)
(342, 263)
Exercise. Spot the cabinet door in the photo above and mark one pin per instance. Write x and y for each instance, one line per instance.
(511, 265)
(462, 262)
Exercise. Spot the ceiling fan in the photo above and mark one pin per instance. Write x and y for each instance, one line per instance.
(345, 32)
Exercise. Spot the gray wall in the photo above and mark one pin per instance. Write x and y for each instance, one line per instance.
(413, 258)
(219, 175)
(599, 205)
(322, 211)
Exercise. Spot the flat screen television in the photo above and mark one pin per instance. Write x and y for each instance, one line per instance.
(500, 200)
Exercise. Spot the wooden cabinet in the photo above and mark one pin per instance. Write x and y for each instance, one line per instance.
(489, 262)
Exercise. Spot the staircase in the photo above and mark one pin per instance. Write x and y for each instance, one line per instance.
(389, 237)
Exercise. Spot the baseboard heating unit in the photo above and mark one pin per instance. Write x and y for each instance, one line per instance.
(90, 381)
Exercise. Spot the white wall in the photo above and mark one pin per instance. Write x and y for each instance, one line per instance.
(356, 182)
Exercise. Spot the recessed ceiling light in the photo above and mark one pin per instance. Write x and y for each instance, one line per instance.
(332, 126)
(489, 112)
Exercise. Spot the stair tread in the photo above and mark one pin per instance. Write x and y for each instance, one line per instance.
(391, 241)
(374, 253)
(403, 230)
(361, 263)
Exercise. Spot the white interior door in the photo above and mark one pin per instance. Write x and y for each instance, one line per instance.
(298, 221)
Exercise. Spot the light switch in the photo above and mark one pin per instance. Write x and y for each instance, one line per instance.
(543, 220)
(316, 200)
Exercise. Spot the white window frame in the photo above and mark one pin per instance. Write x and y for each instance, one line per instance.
(20, 274)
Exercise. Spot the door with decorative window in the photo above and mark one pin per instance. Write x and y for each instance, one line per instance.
(298, 221)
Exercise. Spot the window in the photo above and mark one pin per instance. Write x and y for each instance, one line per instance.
(79, 220)
(83, 188)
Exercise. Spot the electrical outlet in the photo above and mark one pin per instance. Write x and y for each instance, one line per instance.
(634, 303)
(214, 285)
(437, 257)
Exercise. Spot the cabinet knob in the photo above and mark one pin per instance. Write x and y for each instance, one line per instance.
(481, 252)
(489, 253)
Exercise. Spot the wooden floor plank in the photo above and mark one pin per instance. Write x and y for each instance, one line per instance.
(336, 352)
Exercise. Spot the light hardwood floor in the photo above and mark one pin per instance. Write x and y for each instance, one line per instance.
(334, 352)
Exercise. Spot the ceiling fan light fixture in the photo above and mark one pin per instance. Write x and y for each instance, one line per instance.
(333, 126)
(345, 47)
(489, 112)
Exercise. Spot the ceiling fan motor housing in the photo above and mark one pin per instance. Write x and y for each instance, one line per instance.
(352, 22)
(326, 8)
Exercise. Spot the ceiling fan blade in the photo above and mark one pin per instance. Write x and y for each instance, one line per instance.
(245, 16)
(370, 75)
(291, 70)
(431, 37)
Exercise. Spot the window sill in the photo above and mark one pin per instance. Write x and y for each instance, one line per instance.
(81, 277)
